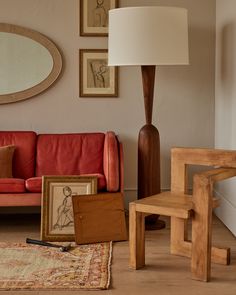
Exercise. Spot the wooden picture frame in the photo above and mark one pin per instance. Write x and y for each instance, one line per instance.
(57, 218)
(97, 79)
(94, 17)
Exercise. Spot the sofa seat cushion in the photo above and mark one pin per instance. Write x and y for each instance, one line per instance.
(102, 185)
(12, 185)
(34, 184)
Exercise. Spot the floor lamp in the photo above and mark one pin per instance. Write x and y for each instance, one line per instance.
(148, 36)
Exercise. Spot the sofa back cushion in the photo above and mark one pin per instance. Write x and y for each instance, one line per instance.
(69, 154)
(24, 155)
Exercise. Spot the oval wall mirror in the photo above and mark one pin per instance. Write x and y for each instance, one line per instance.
(29, 63)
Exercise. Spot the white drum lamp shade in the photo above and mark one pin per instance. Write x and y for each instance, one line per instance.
(148, 36)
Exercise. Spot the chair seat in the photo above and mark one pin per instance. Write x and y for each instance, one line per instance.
(169, 204)
(12, 185)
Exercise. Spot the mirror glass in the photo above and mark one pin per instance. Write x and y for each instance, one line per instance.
(24, 63)
(29, 63)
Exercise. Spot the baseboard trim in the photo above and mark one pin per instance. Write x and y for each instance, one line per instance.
(226, 213)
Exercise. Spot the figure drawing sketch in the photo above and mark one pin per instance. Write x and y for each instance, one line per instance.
(100, 73)
(100, 14)
(65, 217)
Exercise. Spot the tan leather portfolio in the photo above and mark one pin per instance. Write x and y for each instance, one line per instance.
(99, 218)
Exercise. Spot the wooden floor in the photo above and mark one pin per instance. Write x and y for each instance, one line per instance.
(164, 274)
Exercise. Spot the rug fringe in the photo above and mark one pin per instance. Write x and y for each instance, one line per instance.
(109, 265)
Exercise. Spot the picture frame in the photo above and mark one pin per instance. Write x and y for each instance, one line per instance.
(57, 218)
(96, 78)
(94, 17)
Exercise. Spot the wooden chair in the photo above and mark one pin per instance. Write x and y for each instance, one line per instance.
(181, 207)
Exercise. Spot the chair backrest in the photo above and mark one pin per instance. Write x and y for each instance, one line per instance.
(181, 157)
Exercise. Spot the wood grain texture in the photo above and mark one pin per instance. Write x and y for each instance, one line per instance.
(148, 142)
(166, 204)
(202, 222)
(136, 238)
(91, 213)
(219, 255)
(169, 204)
(179, 185)
(201, 229)
(180, 159)
(148, 162)
(217, 174)
(148, 78)
(206, 157)
(149, 176)
(181, 206)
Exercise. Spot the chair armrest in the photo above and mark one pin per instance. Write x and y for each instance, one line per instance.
(204, 156)
(215, 175)
(203, 186)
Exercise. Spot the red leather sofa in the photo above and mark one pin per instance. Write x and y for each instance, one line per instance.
(35, 155)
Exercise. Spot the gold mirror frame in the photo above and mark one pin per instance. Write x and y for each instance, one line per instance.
(49, 80)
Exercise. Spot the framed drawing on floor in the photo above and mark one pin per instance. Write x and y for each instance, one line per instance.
(96, 78)
(57, 218)
(94, 17)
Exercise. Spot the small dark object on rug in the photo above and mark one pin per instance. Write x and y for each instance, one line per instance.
(62, 248)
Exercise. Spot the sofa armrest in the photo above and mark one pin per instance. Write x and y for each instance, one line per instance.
(121, 165)
(111, 162)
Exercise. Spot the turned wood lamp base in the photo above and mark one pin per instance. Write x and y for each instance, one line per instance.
(149, 150)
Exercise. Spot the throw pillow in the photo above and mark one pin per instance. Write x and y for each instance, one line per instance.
(6, 155)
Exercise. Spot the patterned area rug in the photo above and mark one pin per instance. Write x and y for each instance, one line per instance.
(32, 267)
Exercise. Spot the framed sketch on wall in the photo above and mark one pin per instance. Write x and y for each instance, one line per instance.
(57, 218)
(96, 78)
(94, 16)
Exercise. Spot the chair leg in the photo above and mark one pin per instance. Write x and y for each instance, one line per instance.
(178, 236)
(218, 255)
(201, 231)
(136, 238)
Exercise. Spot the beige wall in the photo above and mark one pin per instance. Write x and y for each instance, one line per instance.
(225, 124)
(184, 103)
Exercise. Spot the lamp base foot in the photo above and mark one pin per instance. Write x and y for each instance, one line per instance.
(152, 222)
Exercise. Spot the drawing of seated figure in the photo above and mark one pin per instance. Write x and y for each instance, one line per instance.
(100, 73)
(65, 211)
(100, 15)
